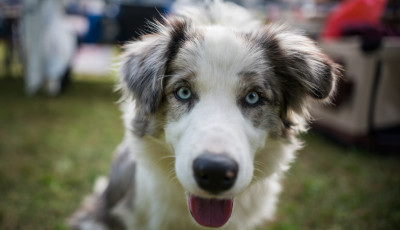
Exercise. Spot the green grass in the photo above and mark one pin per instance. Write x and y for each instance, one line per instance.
(52, 149)
(331, 187)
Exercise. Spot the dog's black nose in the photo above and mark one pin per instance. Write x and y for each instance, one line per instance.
(215, 172)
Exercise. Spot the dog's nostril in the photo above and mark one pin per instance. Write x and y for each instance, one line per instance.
(204, 178)
(215, 172)
(229, 175)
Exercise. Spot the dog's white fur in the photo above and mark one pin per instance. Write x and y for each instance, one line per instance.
(163, 151)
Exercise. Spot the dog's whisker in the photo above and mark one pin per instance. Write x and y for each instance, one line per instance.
(255, 178)
(260, 163)
(171, 175)
(166, 158)
(171, 165)
(173, 179)
(259, 171)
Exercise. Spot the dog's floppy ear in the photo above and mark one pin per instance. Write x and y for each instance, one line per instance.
(300, 67)
(145, 62)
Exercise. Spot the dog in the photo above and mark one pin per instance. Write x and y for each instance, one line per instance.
(212, 105)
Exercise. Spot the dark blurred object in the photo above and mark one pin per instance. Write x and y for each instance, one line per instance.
(133, 18)
(371, 36)
(95, 30)
(344, 90)
(9, 14)
(391, 17)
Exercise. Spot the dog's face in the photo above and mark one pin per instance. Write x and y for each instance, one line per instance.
(223, 100)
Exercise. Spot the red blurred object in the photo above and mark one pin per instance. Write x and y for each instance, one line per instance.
(353, 12)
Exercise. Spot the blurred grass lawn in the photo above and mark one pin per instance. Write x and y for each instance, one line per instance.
(52, 149)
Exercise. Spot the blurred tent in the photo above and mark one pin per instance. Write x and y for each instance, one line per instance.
(364, 36)
(366, 110)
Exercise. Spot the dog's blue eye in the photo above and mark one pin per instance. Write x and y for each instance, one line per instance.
(183, 93)
(252, 98)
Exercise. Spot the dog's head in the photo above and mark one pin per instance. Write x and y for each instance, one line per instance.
(228, 103)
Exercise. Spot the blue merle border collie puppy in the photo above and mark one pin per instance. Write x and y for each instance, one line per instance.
(212, 103)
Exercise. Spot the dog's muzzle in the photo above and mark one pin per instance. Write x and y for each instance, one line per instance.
(214, 173)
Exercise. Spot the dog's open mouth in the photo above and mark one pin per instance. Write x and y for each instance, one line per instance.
(210, 212)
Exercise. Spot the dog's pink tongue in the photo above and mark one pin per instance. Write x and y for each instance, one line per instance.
(210, 212)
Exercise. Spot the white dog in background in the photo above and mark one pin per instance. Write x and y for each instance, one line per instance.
(48, 45)
(212, 108)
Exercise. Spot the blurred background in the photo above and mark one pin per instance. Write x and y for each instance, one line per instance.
(59, 120)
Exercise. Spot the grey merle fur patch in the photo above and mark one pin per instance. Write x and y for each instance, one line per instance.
(300, 69)
(146, 64)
